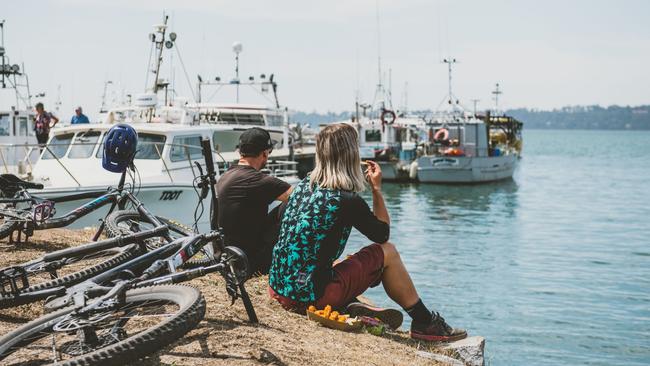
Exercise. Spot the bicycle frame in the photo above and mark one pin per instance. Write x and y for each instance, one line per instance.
(165, 260)
(117, 197)
(15, 278)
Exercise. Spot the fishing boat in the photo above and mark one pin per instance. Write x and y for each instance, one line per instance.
(165, 167)
(169, 146)
(465, 148)
(17, 139)
(389, 140)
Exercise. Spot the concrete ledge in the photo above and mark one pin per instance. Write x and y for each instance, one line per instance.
(471, 350)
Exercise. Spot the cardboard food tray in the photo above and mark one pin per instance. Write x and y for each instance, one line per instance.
(333, 323)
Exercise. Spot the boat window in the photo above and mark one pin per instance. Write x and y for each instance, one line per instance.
(84, 145)
(150, 146)
(274, 120)
(373, 136)
(5, 127)
(278, 138)
(241, 118)
(226, 141)
(58, 146)
(23, 127)
(184, 146)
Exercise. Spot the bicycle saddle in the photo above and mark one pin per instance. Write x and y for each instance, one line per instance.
(11, 183)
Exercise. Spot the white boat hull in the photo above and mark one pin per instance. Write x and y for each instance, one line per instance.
(393, 170)
(463, 169)
(175, 202)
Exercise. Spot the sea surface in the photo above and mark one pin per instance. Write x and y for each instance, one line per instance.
(552, 267)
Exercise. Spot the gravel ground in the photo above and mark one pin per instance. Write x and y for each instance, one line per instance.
(224, 337)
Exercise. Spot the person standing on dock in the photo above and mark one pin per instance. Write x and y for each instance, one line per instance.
(43, 124)
(79, 117)
(317, 222)
(244, 194)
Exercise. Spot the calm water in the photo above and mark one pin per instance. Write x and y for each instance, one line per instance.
(552, 267)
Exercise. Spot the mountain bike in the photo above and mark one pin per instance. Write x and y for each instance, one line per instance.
(24, 283)
(23, 212)
(129, 311)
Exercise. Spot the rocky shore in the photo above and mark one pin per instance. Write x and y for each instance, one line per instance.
(224, 337)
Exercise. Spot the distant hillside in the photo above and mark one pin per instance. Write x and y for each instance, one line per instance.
(576, 117)
(586, 117)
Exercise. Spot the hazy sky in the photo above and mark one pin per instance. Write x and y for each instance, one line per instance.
(545, 54)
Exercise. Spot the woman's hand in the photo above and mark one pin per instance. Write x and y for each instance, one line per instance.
(373, 174)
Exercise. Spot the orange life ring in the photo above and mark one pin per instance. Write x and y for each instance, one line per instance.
(390, 113)
(441, 135)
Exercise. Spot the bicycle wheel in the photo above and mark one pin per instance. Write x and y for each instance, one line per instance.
(8, 223)
(71, 271)
(147, 320)
(127, 222)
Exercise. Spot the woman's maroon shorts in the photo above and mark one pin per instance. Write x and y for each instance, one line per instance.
(352, 277)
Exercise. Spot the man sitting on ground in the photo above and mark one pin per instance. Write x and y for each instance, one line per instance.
(244, 195)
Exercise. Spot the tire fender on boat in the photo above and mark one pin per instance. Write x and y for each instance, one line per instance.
(413, 170)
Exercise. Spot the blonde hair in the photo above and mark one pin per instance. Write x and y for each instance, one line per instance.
(338, 165)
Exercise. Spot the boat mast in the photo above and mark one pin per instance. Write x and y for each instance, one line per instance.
(10, 73)
(475, 101)
(102, 108)
(237, 48)
(450, 62)
(379, 92)
(160, 44)
(496, 93)
(2, 52)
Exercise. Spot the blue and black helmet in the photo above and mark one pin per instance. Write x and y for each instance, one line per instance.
(120, 146)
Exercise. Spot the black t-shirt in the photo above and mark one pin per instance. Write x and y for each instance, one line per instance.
(244, 194)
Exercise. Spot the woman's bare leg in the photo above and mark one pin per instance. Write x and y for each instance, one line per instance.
(396, 280)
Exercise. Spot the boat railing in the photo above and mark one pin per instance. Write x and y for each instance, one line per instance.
(19, 159)
(281, 168)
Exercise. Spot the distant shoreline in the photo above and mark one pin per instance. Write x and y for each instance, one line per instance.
(612, 118)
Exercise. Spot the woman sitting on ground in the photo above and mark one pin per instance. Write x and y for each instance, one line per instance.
(315, 228)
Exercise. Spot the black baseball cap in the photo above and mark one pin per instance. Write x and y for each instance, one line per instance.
(255, 140)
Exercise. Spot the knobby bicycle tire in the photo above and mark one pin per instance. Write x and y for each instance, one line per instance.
(8, 227)
(123, 255)
(114, 229)
(191, 310)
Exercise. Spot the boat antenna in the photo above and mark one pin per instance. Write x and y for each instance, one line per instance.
(102, 108)
(496, 93)
(450, 62)
(160, 44)
(2, 51)
(475, 101)
(380, 92)
(58, 99)
(406, 97)
(237, 48)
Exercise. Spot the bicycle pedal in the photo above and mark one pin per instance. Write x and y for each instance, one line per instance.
(13, 280)
(43, 211)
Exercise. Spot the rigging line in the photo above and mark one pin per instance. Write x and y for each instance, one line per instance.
(215, 93)
(378, 43)
(261, 94)
(18, 93)
(187, 77)
(440, 57)
(146, 79)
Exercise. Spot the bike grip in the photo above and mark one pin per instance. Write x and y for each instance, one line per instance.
(207, 155)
